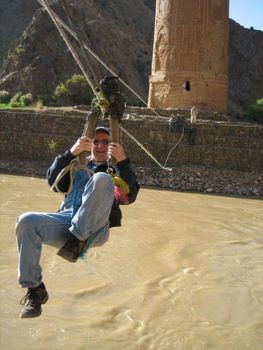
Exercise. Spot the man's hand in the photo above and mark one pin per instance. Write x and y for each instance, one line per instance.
(116, 151)
(83, 144)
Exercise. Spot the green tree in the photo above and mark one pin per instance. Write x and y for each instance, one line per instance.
(5, 96)
(19, 100)
(74, 91)
(254, 113)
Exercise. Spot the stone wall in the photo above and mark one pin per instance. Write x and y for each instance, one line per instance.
(39, 135)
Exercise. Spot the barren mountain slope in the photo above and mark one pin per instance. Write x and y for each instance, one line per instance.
(121, 33)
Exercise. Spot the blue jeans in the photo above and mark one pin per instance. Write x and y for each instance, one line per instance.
(35, 228)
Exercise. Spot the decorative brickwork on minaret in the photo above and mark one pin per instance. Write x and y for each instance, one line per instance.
(190, 55)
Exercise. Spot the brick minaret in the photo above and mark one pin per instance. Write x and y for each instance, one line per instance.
(190, 55)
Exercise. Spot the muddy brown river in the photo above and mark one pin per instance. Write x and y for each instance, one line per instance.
(184, 272)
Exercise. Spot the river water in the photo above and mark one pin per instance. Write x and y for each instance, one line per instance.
(185, 271)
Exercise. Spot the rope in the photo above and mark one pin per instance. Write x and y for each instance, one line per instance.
(59, 24)
(66, 27)
(67, 11)
(73, 52)
(101, 100)
(73, 167)
(171, 150)
(145, 150)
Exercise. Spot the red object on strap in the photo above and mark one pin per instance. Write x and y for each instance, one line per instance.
(120, 195)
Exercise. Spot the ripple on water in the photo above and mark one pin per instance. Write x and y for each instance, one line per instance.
(184, 272)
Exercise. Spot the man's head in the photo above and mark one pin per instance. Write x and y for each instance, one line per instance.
(100, 144)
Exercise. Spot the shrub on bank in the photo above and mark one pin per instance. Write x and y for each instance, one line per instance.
(74, 91)
(254, 113)
(19, 100)
(5, 97)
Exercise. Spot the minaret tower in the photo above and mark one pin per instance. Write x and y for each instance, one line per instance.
(190, 55)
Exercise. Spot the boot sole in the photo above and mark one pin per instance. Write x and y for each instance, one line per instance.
(65, 255)
(30, 315)
(45, 300)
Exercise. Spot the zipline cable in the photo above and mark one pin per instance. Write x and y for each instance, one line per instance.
(74, 54)
(58, 23)
(67, 11)
(66, 27)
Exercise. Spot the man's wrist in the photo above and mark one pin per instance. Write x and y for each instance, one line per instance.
(123, 161)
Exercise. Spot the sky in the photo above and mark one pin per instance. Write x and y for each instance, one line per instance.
(248, 13)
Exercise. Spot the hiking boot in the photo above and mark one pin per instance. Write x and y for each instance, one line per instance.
(32, 301)
(72, 249)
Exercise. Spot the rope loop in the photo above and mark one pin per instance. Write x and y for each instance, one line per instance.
(73, 167)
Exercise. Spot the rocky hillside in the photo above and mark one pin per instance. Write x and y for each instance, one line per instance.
(121, 33)
(245, 66)
(15, 16)
(116, 31)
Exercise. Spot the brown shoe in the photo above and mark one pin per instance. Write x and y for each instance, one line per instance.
(72, 249)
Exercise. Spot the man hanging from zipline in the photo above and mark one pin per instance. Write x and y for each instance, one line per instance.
(89, 209)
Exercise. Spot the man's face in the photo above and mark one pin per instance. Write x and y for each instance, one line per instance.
(100, 144)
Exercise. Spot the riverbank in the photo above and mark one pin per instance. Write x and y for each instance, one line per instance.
(182, 178)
